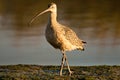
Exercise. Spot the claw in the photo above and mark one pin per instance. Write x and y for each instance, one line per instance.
(70, 72)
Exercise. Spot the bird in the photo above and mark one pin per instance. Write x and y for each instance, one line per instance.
(60, 36)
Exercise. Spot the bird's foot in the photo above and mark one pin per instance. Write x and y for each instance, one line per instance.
(70, 73)
(60, 73)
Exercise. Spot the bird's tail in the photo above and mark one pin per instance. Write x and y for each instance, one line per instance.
(81, 48)
(84, 42)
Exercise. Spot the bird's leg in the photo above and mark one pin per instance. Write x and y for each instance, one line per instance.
(70, 72)
(62, 63)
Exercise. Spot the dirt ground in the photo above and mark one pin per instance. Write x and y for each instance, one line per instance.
(40, 72)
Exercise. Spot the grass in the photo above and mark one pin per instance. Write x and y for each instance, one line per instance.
(39, 72)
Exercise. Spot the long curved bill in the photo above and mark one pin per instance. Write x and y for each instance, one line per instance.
(38, 15)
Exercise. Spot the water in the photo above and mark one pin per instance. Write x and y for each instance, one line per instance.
(96, 22)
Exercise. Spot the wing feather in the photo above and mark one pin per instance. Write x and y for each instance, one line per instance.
(71, 36)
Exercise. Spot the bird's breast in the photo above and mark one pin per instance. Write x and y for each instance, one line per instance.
(51, 36)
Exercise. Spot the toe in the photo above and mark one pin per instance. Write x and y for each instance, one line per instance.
(70, 73)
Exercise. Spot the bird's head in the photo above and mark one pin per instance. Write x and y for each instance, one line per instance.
(51, 8)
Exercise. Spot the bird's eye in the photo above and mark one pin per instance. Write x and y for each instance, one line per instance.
(49, 5)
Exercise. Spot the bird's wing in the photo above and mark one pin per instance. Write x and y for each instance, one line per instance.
(71, 36)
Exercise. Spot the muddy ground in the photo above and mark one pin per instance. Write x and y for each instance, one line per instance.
(40, 72)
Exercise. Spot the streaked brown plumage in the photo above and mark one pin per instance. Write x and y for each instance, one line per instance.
(60, 36)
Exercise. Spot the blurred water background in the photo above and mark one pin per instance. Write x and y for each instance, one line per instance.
(95, 21)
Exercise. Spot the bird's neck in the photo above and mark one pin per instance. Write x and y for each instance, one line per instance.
(53, 18)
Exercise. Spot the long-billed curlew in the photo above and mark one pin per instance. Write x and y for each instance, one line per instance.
(60, 36)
